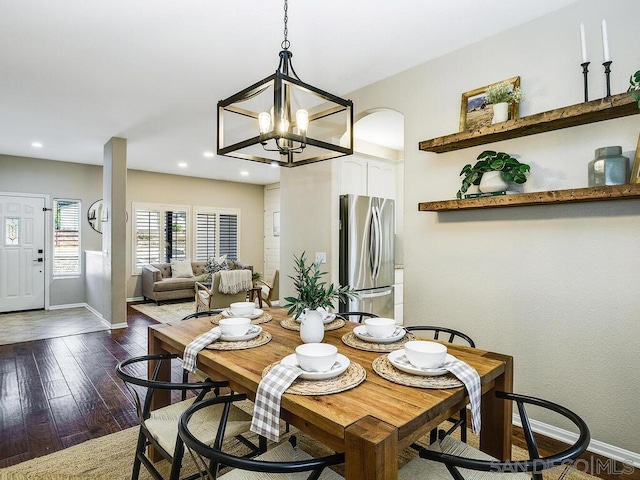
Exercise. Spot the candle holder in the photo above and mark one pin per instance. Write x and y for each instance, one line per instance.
(607, 74)
(585, 73)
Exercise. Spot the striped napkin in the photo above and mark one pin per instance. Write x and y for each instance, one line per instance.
(467, 375)
(191, 350)
(266, 412)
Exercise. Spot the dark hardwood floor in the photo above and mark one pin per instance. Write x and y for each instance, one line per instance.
(62, 391)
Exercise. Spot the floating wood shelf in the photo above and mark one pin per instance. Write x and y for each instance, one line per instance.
(589, 194)
(608, 108)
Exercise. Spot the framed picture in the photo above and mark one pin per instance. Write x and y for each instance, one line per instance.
(635, 171)
(476, 113)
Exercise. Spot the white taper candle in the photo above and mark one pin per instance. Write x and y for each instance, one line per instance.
(605, 41)
(584, 43)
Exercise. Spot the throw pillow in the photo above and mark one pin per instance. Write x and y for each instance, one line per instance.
(181, 268)
(215, 264)
(203, 278)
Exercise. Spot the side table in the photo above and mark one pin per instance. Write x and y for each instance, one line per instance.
(255, 292)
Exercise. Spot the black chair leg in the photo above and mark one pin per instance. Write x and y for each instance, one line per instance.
(140, 447)
(463, 425)
(176, 465)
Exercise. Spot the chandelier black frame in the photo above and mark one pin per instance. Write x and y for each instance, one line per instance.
(283, 140)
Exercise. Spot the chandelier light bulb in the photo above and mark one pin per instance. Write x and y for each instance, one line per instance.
(264, 119)
(302, 119)
(284, 125)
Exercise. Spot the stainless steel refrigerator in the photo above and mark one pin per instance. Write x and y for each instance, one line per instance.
(366, 253)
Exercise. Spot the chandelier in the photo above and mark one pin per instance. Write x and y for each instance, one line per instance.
(283, 121)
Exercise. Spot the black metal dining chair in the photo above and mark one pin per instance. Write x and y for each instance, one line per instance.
(159, 428)
(357, 317)
(452, 336)
(451, 457)
(285, 458)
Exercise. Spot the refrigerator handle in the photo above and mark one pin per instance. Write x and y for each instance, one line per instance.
(378, 241)
(375, 295)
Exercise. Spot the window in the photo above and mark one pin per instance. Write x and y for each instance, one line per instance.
(216, 233)
(160, 234)
(66, 237)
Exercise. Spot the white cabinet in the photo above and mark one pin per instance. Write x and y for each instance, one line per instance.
(366, 176)
(398, 296)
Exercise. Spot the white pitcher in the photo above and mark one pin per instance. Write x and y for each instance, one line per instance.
(311, 326)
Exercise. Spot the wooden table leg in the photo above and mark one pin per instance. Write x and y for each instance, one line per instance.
(371, 450)
(495, 436)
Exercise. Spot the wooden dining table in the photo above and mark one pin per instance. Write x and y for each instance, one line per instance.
(372, 422)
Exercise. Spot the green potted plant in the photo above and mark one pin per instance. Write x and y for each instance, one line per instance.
(634, 86)
(312, 292)
(255, 277)
(501, 95)
(314, 297)
(512, 171)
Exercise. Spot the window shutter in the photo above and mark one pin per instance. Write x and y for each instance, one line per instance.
(229, 236)
(205, 236)
(147, 237)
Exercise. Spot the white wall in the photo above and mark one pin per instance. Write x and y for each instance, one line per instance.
(554, 286)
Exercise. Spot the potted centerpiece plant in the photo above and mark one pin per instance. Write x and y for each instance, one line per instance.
(255, 278)
(634, 86)
(314, 297)
(501, 95)
(508, 170)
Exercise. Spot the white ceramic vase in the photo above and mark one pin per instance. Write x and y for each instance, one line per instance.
(492, 182)
(311, 326)
(500, 112)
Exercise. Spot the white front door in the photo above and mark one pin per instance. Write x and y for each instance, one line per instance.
(22, 240)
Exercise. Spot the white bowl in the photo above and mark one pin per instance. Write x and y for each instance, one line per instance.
(234, 327)
(380, 327)
(241, 309)
(425, 354)
(316, 357)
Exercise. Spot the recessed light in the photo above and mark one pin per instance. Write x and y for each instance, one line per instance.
(209, 154)
(36, 145)
(244, 173)
(275, 164)
(183, 165)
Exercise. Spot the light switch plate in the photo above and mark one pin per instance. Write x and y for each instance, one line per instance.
(321, 257)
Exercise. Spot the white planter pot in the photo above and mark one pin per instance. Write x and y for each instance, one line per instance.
(492, 182)
(311, 326)
(500, 112)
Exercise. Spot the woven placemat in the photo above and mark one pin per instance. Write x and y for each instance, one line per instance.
(352, 340)
(262, 339)
(291, 323)
(353, 376)
(264, 318)
(383, 367)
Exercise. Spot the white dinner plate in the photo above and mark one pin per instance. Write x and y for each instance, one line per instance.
(253, 332)
(342, 363)
(361, 332)
(328, 319)
(399, 360)
(256, 313)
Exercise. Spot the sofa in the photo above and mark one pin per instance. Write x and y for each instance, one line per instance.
(158, 284)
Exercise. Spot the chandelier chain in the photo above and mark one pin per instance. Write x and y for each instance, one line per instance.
(285, 43)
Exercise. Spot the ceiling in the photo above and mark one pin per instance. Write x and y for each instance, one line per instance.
(78, 72)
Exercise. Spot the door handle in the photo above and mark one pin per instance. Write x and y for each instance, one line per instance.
(39, 260)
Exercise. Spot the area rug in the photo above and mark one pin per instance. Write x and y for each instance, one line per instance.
(166, 312)
(111, 457)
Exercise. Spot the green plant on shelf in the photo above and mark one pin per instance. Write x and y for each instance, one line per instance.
(489, 161)
(634, 86)
(503, 92)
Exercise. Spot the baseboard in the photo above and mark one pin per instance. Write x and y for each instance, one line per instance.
(135, 299)
(65, 306)
(626, 457)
